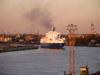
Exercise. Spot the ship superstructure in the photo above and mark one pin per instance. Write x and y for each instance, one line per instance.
(52, 40)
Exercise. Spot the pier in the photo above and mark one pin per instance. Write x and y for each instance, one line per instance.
(17, 48)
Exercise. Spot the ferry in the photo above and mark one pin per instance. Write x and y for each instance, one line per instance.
(52, 39)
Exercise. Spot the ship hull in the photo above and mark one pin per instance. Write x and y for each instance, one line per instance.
(52, 45)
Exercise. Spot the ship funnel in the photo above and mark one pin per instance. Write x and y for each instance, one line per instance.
(53, 29)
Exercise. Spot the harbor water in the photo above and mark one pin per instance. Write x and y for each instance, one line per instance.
(48, 61)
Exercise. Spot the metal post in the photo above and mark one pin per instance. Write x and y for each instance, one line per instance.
(71, 37)
(64, 72)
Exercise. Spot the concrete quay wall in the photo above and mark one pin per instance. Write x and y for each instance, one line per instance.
(7, 49)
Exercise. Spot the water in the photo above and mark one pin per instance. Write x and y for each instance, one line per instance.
(48, 61)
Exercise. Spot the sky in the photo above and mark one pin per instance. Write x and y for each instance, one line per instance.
(32, 16)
